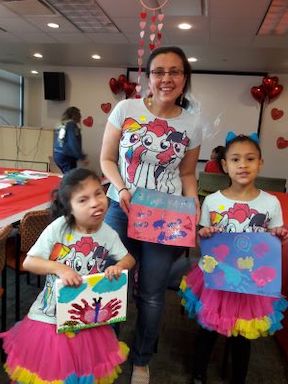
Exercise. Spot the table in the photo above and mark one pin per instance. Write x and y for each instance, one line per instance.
(34, 195)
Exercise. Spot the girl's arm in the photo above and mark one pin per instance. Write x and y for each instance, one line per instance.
(127, 262)
(41, 266)
(188, 178)
(109, 163)
(281, 232)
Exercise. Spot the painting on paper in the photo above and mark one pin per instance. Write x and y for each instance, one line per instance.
(158, 217)
(97, 301)
(242, 262)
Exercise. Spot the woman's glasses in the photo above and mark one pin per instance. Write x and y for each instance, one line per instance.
(160, 73)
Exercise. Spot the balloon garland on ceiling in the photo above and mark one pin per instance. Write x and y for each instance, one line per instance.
(155, 34)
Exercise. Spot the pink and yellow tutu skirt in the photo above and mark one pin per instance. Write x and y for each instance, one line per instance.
(37, 355)
(230, 313)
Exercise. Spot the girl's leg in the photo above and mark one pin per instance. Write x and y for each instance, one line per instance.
(240, 352)
(204, 346)
(154, 266)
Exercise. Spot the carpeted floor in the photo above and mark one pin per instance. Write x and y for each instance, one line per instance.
(173, 362)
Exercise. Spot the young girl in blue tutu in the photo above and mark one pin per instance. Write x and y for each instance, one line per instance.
(240, 208)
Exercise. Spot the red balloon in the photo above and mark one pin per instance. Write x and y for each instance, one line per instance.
(269, 82)
(258, 93)
(129, 88)
(122, 79)
(275, 91)
(114, 85)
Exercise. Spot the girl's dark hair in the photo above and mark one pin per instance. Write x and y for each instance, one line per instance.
(71, 113)
(242, 139)
(61, 205)
(181, 101)
(220, 153)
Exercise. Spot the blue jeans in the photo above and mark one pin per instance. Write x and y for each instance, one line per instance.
(65, 163)
(154, 262)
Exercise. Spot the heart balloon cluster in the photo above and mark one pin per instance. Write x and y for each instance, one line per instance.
(122, 85)
(268, 89)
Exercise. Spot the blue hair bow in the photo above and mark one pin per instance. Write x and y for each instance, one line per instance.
(232, 135)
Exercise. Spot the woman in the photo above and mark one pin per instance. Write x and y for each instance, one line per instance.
(152, 143)
(67, 141)
(214, 164)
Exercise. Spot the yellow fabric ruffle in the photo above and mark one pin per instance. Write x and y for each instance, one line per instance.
(26, 377)
(252, 329)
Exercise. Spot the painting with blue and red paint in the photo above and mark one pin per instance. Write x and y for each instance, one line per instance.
(97, 301)
(159, 217)
(242, 262)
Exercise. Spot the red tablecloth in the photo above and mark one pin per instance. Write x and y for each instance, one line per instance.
(27, 196)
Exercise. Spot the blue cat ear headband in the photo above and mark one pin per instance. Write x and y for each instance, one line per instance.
(231, 136)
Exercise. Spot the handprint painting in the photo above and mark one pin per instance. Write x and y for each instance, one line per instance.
(242, 262)
(97, 301)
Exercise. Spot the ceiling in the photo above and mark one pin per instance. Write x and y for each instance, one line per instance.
(224, 37)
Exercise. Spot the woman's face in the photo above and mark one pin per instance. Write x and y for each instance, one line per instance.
(166, 87)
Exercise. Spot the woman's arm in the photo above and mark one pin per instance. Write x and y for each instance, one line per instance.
(109, 163)
(188, 178)
(41, 266)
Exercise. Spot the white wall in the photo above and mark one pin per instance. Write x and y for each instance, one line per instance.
(87, 88)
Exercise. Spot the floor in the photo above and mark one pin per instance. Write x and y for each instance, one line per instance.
(173, 361)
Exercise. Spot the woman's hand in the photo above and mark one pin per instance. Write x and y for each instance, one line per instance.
(281, 232)
(124, 200)
(208, 231)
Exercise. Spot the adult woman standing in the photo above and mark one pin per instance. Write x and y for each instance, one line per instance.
(152, 143)
(67, 148)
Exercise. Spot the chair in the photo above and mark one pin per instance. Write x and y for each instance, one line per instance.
(31, 226)
(4, 233)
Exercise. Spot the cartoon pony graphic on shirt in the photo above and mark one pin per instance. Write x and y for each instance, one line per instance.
(85, 256)
(158, 146)
(130, 140)
(240, 218)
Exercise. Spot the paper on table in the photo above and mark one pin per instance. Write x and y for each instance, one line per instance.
(34, 175)
(4, 185)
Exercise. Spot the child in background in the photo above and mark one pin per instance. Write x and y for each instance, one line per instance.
(214, 165)
(239, 208)
(74, 244)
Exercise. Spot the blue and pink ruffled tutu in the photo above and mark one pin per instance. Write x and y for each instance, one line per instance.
(37, 355)
(230, 313)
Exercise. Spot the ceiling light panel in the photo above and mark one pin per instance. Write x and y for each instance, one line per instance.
(275, 21)
(86, 15)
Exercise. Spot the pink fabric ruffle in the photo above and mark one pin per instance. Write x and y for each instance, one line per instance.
(36, 347)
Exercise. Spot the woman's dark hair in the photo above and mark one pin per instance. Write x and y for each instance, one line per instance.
(61, 205)
(220, 153)
(71, 113)
(242, 139)
(181, 100)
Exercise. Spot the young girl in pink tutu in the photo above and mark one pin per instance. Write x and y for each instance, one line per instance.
(76, 243)
(239, 208)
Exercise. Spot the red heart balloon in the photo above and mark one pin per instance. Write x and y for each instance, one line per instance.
(275, 91)
(122, 79)
(269, 82)
(129, 88)
(106, 107)
(258, 93)
(281, 143)
(276, 113)
(114, 85)
(88, 121)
